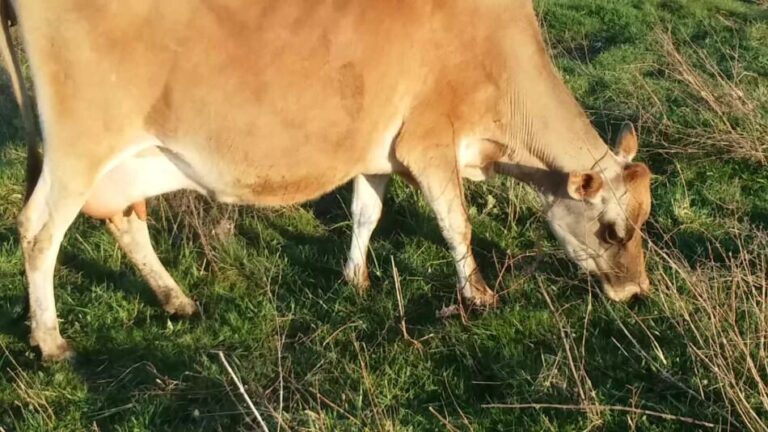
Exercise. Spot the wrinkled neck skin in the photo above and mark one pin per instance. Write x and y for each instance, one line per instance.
(549, 136)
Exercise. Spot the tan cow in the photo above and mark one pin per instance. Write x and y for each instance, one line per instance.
(272, 102)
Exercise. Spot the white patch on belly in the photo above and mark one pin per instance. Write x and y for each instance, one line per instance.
(139, 172)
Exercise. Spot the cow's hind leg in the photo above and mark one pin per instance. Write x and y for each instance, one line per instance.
(55, 202)
(367, 202)
(132, 235)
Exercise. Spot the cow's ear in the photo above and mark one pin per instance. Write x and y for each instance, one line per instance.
(626, 143)
(584, 185)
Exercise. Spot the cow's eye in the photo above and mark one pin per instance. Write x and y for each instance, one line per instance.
(609, 235)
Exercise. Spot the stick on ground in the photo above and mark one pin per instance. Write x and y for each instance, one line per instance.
(242, 392)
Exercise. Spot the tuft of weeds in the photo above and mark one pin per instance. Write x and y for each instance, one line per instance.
(191, 217)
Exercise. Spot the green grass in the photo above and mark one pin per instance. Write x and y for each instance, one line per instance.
(300, 338)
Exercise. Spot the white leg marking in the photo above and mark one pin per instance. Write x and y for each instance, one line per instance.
(455, 228)
(367, 202)
(447, 201)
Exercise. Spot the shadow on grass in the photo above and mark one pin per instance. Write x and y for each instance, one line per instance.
(122, 365)
(95, 272)
(167, 375)
(133, 380)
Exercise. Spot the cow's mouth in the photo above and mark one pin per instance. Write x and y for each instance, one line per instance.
(626, 291)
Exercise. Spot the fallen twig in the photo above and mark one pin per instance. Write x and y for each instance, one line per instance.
(443, 420)
(399, 292)
(242, 392)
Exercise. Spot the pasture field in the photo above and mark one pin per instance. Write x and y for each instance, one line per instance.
(555, 355)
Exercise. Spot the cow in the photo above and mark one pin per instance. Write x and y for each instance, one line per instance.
(274, 102)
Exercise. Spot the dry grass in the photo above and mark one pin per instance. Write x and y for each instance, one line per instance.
(720, 310)
(574, 353)
(731, 113)
(718, 307)
(196, 218)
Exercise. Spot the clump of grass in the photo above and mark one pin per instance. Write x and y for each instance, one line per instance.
(195, 219)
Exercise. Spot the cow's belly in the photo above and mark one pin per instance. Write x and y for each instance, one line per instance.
(258, 175)
(262, 178)
(151, 173)
(252, 176)
(269, 184)
(267, 164)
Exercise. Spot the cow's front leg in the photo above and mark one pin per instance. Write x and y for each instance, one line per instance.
(367, 202)
(428, 148)
(132, 235)
(445, 196)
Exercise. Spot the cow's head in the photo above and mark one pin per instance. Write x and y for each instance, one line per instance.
(598, 220)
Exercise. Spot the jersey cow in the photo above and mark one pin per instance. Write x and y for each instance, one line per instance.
(273, 102)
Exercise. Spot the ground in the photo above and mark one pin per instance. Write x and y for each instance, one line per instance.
(312, 354)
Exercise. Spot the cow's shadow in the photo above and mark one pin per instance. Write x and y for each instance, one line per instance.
(115, 372)
(9, 113)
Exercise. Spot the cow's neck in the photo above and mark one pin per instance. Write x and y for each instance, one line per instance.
(549, 134)
(555, 134)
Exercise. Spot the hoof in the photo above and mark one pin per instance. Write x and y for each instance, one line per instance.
(357, 276)
(182, 308)
(478, 293)
(488, 300)
(58, 352)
